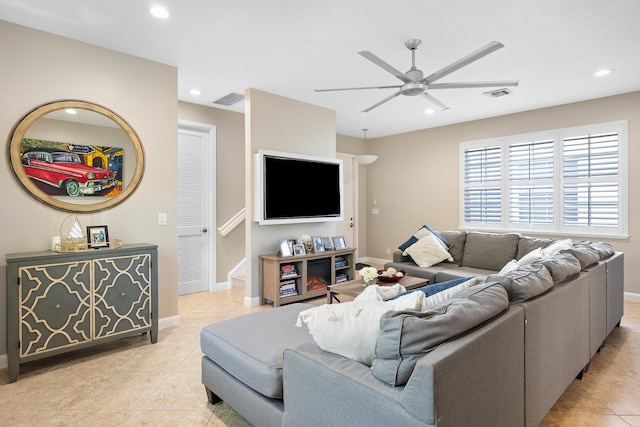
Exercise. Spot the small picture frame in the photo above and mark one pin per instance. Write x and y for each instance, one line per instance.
(317, 244)
(285, 249)
(98, 236)
(291, 243)
(326, 242)
(338, 242)
(298, 249)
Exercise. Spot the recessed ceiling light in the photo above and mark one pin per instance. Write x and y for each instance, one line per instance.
(159, 12)
(70, 111)
(429, 111)
(195, 92)
(603, 72)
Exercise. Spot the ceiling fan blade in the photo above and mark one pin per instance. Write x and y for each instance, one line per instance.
(463, 85)
(433, 101)
(359, 88)
(388, 98)
(462, 62)
(380, 63)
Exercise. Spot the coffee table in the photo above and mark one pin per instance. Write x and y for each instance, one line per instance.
(353, 288)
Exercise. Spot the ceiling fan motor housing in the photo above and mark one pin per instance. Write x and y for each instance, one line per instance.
(413, 88)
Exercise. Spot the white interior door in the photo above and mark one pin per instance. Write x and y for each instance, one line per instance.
(195, 170)
(348, 227)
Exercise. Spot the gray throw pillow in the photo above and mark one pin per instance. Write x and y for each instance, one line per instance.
(524, 283)
(406, 336)
(489, 251)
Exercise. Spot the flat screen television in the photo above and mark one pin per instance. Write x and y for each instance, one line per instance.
(294, 188)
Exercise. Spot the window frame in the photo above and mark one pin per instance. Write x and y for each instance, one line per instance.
(557, 227)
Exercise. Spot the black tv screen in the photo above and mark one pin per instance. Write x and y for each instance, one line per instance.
(300, 188)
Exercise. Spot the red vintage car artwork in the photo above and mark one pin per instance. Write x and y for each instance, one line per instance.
(65, 170)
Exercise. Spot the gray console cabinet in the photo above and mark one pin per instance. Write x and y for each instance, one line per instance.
(59, 302)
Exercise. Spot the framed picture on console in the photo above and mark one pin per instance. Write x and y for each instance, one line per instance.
(338, 242)
(298, 249)
(326, 242)
(285, 249)
(317, 244)
(98, 236)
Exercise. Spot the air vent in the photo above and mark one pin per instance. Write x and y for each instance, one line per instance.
(229, 99)
(498, 92)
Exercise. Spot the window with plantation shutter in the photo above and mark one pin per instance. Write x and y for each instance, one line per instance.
(567, 181)
(482, 192)
(591, 189)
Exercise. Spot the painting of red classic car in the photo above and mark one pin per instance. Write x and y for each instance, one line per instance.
(73, 170)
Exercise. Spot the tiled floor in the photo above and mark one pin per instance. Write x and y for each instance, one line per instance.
(132, 383)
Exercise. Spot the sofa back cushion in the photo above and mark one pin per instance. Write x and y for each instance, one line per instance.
(562, 266)
(407, 336)
(524, 283)
(489, 251)
(587, 255)
(528, 244)
(456, 239)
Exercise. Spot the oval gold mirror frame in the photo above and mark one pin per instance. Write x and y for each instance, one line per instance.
(16, 162)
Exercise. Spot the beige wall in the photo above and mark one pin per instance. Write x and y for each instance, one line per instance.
(415, 179)
(281, 124)
(37, 68)
(230, 186)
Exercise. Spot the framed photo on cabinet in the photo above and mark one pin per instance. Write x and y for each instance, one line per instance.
(339, 243)
(317, 244)
(285, 249)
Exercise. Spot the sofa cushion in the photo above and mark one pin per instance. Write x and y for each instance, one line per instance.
(561, 266)
(524, 283)
(457, 240)
(555, 247)
(444, 290)
(605, 250)
(489, 251)
(351, 329)
(527, 244)
(587, 255)
(250, 347)
(407, 336)
(428, 251)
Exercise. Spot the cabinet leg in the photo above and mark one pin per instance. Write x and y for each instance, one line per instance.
(13, 373)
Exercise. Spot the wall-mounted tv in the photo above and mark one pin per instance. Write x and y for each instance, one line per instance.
(294, 188)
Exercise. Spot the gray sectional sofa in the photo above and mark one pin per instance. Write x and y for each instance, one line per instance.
(527, 334)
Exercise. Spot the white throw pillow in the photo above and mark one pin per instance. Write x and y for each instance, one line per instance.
(510, 266)
(531, 257)
(449, 293)
(351, 329)
(556, 247)
(428, 251)
(380, 293)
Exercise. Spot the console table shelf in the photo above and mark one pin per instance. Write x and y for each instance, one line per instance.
(58, 302)
(285, 280)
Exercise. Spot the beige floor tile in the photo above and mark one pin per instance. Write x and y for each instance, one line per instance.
(180, 391)
(90, 417)
(165, 418)
(633, 420)
(577, 401)
(568, 420)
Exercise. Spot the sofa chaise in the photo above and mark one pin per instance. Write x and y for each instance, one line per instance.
(530, 331)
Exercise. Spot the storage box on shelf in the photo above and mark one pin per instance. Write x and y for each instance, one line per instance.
(284, 280)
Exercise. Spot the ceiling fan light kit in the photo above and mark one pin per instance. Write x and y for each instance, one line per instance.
(414, 82)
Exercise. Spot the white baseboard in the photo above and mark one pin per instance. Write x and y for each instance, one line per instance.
(251, 302)
(629, 296)
(167, 322)
(220, 286)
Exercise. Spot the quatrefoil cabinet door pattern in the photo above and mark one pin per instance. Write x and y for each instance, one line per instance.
(55, 306)
(122, 294)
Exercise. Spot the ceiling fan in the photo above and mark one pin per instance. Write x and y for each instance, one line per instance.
(414, 83)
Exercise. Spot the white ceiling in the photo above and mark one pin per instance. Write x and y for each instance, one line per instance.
(291, 47)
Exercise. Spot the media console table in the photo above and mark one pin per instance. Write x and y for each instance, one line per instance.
(284, 280)
(59, 302)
